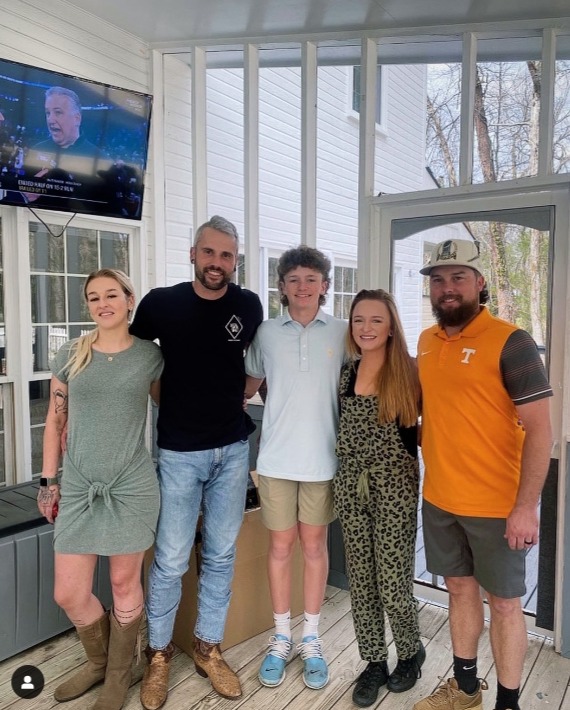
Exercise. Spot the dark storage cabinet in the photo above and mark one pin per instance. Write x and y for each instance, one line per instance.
(29, 614)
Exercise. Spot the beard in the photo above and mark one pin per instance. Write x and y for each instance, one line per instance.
(458, 316)
(201, 275)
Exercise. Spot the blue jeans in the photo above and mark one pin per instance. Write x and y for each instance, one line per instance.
(216, 481)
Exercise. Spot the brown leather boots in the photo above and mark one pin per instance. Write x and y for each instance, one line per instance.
(122, 644)
(209, 663)
(109, 648)
(95, 641)
(154, 689)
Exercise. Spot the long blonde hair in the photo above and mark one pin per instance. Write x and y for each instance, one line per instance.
(81, 351)
(397, 387)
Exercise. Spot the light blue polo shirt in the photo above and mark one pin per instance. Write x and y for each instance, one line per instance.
(300, 419)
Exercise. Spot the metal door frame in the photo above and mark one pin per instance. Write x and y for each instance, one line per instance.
(519, 194)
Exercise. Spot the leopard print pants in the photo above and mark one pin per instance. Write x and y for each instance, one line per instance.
(379, 541)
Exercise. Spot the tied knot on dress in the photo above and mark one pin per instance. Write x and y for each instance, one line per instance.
(97, 488)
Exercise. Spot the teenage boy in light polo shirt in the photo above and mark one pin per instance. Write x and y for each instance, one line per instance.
(300, 355)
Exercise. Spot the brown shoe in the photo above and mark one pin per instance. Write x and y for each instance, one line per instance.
(210, 664)
(95, 640)
(123, 640)
(154, 689)
(448, 697)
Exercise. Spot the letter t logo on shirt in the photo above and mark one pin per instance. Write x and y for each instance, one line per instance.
(468, 352)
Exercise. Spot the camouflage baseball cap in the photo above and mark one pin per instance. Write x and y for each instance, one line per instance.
(453, 252)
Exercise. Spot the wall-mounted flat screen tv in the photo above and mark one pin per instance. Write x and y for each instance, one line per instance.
(71, 144)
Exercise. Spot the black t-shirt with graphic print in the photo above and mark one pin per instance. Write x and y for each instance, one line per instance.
(203, 343)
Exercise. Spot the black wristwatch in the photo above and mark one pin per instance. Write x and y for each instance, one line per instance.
(45, 482)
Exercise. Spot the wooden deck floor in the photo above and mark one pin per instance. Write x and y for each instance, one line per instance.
(545, 684)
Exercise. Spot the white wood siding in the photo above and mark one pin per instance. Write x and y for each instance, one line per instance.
(400, 153)
(399, 161)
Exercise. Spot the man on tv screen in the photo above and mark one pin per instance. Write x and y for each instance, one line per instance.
(71, 144)
(63, 118)
(65, 165)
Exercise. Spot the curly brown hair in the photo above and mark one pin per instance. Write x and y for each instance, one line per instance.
(308, 257)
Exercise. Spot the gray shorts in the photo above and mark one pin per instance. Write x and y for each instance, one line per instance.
(462, 546)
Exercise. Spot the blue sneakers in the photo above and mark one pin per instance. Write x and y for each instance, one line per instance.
(272, 671)
(315, 672)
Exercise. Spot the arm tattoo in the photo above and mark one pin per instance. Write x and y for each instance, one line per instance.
(60, 402)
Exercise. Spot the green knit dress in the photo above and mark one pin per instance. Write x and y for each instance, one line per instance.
(109, 489)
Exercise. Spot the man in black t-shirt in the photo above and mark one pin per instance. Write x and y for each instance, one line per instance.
(204, 328)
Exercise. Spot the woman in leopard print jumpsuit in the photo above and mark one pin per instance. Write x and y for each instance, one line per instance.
(376, 491)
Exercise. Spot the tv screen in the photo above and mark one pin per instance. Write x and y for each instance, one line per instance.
(71, 144)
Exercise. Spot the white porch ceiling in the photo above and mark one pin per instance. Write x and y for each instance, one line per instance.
(176, 22)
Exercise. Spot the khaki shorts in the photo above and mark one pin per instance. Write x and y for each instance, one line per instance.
(461, 546)
(286, 503)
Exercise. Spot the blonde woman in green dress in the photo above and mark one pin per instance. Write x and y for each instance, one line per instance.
(108, 500)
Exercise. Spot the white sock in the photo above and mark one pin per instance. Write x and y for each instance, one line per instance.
(311, 624)
(283, 624)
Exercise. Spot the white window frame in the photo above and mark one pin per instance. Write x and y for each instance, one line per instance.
(381, 97)
(342, 263)
(17, 307)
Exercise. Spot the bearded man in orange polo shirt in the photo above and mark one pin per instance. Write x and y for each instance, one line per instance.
(486, 441)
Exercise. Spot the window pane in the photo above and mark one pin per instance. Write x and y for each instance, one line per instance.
(346, 301)
(2, 351)
(272, 277)
(2, 331)
(347, 280)
(240, 270)
(356, 96)
(344, 290)
(337, 305)
(76, 331)
(76, 303)
(337, 278)
(2, 451)
(114, 251)
(48, 299)
(507, 106)
(274, 304)
(356, 89)
(81, 251)
(39, 401)
(561, 146)
(46, 251)
(46, 341)
(443, 122)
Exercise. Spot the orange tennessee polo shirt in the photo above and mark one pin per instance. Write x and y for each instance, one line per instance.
(471, 436)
